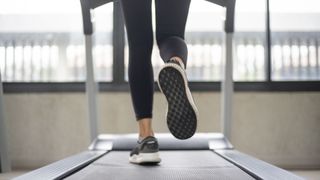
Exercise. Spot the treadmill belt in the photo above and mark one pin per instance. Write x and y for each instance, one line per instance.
(184, 165)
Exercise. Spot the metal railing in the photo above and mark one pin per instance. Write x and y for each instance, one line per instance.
(58, 57)
(295, 56)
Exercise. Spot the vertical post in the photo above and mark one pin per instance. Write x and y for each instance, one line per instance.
(91, 85)
(5, 164)
(91, 89)
(118, 44)
(227, 81)
(268, 46)
(227, 87)
(317, 58)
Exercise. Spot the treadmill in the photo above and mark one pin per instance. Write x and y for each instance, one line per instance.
(205, 156)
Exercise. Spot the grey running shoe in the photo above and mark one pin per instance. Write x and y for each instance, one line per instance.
(182, 112)
(147, 151)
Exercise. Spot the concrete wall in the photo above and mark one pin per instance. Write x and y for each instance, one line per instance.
(281, 128)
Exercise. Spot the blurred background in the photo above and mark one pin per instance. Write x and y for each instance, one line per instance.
(276, 69)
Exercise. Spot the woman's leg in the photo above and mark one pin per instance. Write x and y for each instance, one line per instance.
(182, 112)
(171, 17)
(137, 15)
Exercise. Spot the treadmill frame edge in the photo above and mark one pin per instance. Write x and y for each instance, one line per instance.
(63, 168)
(255, 167)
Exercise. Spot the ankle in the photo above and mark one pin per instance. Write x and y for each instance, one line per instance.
(142, 136)
(145, 128)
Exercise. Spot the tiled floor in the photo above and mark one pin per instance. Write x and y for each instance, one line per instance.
(307, 174)
(7, 176)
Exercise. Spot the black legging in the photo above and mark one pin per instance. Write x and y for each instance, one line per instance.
(171, 16)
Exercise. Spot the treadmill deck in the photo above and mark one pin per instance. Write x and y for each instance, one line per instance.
(186, 165)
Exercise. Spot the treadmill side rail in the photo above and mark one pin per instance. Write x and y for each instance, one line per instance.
(255, 167)
(64, 167)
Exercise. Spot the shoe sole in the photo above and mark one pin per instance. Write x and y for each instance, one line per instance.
(144, 158)
(182, 113)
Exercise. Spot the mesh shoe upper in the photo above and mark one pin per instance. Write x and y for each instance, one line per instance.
(147, 145)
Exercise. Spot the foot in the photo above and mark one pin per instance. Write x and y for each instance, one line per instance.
(182, 112)
(147, 151)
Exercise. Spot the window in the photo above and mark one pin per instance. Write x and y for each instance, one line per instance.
(250, 40)
(103, 49)
(204, 39)
(42, 41)
(295, 36)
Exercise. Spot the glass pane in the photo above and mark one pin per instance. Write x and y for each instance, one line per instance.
(249, 62)
(295, 30)
(42, 41)
(204, 33)
(103, 49)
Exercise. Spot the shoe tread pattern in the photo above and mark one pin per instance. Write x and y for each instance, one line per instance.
(181, 117)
